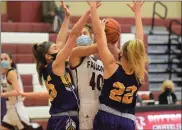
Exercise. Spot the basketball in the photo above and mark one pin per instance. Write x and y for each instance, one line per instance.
(145, 97)
(112, 30)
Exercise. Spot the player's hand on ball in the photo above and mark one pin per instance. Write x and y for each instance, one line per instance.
(136, 7)
(66, 10)
(103, 23)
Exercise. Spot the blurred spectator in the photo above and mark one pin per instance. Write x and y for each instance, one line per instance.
(167, 96)
(52, 14)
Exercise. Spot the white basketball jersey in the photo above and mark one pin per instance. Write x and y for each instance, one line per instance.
(88, 77)
(6, 87)
(14, 104)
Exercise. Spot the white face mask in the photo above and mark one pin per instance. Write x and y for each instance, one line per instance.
(84, 40)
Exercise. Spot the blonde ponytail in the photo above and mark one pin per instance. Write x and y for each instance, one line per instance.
(136, 56)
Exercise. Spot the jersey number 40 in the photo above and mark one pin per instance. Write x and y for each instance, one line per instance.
(96, 81)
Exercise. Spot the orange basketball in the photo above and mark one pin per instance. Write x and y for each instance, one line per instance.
(145, 97)
(112, 30)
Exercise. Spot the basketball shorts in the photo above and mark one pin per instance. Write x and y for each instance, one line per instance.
(16, 116)
(63, 123)
(3, 108)
(87, 114)
(107, 121)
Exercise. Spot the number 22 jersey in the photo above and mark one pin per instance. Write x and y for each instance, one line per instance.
(119, 91)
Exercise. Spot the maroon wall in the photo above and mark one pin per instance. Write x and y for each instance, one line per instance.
(21, 11)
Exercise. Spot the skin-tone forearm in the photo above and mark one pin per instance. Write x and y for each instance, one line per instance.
(63, 32)
(35, 95)
(62, 35)
(10, 94)
(136, 8)
(139, 26)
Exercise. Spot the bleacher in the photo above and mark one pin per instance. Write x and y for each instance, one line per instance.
(18, 37)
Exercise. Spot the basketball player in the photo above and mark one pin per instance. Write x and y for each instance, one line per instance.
(50, 60)
(87, 73)
(121, 80)
(16, 116)
(61, 38)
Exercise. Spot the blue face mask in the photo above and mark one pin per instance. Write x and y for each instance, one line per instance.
(5, 64)
(84, 40)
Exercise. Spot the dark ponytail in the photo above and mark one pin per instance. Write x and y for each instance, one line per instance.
(39, 64)
(39, 51)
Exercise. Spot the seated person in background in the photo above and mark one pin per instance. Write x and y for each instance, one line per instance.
(167, 96)
(53, 14)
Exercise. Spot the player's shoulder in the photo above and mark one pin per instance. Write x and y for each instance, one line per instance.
(11, 72)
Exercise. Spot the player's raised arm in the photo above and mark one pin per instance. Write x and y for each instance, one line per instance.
(82, 51)
(62, 35)
(136, 8)
(65, 52)
(106, 56)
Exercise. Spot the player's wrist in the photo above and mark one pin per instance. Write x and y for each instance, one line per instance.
(67, 17)
(137, 13)
(3, 95)
(93, 7)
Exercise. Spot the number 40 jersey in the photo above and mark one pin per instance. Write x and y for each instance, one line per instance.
(88, 77)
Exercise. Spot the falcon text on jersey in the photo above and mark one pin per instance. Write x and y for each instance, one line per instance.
(95, 66)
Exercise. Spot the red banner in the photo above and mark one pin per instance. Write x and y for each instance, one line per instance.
(159, 120)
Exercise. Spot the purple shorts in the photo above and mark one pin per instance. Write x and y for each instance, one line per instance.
(108, 121)
(3, 108)
(63, 123)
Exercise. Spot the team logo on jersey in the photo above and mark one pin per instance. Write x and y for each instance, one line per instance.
(70, 125)
(51, 88)
(66, 79)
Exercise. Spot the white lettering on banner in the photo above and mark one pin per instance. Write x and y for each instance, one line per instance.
(164, 117)
(178, 126)
(164, 127)
(140, 122)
